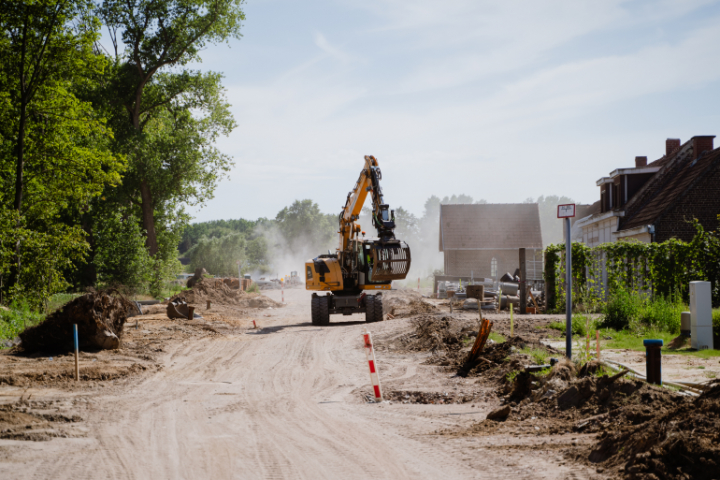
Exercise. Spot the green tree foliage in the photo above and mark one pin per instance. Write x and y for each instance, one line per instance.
(121, 257)
(167, 117)
(52, 144)
(215, 228)
(219, 255)
(305, 228)
(407, 227)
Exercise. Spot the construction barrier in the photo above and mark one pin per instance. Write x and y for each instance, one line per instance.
(374, 377)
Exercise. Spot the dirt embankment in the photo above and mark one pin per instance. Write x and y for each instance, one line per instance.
(37, 421)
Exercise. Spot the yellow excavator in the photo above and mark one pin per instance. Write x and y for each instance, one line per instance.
(355, 276)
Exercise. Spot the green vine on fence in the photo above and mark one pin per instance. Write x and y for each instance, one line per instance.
(662, 269)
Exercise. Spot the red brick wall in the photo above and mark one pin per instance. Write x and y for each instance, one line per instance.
(462, 262)
(702, 202)
(671, 144)
(702, 144)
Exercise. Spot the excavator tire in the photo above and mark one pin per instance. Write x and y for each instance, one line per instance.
(373, 309)
(320, 310)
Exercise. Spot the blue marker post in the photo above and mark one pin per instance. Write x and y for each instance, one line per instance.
(77, 353)
(653, 361)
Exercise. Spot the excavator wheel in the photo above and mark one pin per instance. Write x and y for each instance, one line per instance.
(320, 310)
(373, 308)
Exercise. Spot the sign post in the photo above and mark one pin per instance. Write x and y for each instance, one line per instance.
(567, 212)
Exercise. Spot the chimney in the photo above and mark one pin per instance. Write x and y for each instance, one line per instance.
(702, 143)
(640, 162)
(671, 146)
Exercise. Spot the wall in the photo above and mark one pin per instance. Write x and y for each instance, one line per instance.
(463, 263)
(702, 202)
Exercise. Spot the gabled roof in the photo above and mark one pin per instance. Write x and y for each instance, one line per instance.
(678, 175)
(490, 226)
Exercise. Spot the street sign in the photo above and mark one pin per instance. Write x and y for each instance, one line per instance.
(566, 211)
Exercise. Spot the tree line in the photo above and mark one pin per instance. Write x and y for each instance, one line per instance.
(102, 145)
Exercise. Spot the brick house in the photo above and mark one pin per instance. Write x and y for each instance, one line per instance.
(653, 202)
(482, 240)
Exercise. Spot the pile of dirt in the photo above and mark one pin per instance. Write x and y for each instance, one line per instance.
(437, 334)
(680, 441)
(100, 317)
(219, 293)
(406, 303)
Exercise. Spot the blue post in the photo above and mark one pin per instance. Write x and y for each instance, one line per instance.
(77, 353)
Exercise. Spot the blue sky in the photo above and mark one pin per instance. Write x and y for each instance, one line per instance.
(498, 100)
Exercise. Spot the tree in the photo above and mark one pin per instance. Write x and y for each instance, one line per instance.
(406, 225)
(167, 118)
(53, 145)
(305, 229)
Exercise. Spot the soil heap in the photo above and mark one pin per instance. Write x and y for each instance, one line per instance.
(220, 293)
(406, 303)
(100, 317)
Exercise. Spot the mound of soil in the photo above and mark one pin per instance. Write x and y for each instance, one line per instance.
(680, 441)
(219, 293)
(437, 334)
(100, 317)
(406, 303)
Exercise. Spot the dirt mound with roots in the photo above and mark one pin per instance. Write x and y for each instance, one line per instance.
(219, 293)
(100, 317)
(679, 440)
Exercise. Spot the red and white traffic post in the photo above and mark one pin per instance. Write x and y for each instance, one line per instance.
(374, 376)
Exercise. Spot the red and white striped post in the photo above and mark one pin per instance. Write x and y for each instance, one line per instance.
(370, 354)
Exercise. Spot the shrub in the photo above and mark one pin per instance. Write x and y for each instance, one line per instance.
(621, 309)
(253, 288)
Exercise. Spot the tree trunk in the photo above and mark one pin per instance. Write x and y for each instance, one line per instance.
(20, 160)
(148, 218)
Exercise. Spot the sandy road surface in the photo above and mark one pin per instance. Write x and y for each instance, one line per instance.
(279, 403)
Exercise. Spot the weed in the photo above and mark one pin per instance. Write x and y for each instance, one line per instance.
(496, 337)
(581, 324)
(540, 357)
(542, 372)
(253, 288)
(634, 310)
(510, 376)
(711, 374)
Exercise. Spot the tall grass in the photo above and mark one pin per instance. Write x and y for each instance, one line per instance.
(636, 311)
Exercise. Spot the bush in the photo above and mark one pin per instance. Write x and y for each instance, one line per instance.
(621, 309)
(253, 288)
(581, 325)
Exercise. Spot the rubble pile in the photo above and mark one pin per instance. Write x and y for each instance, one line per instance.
(100, 317)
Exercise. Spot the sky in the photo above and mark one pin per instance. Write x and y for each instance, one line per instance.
(500, 100)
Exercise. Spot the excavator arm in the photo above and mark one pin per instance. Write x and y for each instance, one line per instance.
(368, 183)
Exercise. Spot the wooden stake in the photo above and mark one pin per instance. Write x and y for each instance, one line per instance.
(597, 343)
(511, 319)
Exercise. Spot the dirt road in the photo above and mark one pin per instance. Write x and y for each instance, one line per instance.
(282, 402)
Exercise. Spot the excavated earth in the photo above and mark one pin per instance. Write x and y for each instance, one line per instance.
(217, 398)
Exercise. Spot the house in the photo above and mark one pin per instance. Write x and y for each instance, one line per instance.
(483, 240)
(653, 202)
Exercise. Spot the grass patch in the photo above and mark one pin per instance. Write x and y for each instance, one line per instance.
(539, 356)
(510, 376)
(60, 299)
(15, 320)
(496, 337)
(628, 340)
(581, 325)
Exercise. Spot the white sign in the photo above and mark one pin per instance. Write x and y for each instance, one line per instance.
(566, 211)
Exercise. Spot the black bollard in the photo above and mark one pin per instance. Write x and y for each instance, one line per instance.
(653, 361)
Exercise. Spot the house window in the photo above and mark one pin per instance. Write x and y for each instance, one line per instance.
(493, 268)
